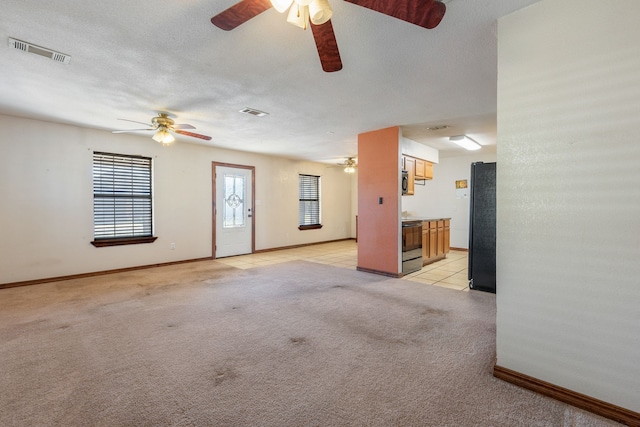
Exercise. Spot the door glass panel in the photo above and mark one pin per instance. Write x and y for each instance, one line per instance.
(233, 211)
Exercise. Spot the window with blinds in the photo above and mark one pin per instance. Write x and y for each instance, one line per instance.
(309, 205)
(122, 199)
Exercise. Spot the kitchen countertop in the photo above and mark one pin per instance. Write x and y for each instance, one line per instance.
(411, 218)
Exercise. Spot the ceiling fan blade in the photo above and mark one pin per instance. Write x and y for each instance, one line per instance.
(327, 46)
(130, 130)
(183, 126)
(240, 13)
(425, 13)
(195, 135)
(133, 121)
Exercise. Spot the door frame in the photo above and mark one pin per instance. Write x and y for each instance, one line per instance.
(213, 203)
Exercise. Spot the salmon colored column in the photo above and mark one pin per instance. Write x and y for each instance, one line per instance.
(379, 224)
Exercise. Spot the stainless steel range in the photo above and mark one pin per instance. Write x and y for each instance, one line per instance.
(411, 246)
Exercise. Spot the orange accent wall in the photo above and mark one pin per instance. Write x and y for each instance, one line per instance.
(379, 224)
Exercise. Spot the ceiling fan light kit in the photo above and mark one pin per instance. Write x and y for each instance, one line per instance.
(281, 5)
(349, 165)
(163, 136)
(303, 11)
(298, 16)
(320, 11)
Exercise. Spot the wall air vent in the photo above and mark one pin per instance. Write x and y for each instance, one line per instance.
(39, 50)
(253, 112)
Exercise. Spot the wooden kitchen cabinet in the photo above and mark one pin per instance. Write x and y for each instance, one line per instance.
(435, 240)
(410, 166)
(420, 168)
(447, 236)
(428, 170)
(424, 169)
(440, 233)
(425, 241)
(417, 169)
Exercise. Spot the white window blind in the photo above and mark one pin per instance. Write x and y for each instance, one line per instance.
(309, 204)
(122, 197)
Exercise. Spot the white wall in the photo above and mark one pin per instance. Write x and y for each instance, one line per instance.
(438, 197)
(568, 242)
(46, 222)
(415, 149)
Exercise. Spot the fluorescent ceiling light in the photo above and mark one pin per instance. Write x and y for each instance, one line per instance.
(465, 142)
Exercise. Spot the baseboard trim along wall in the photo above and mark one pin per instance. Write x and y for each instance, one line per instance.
(562, 394)
(280, 248)
(383, 273)
(96, 273)
(141, 267)
(460, 249)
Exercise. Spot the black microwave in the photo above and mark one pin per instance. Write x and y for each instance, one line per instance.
(405, 182)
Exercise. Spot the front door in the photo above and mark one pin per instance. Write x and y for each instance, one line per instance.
(233, 211)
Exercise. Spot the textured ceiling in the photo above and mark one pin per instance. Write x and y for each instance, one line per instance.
(130, 59)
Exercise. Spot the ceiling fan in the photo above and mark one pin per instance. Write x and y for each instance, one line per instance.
(163, 125)
(317, 14)
(350, 165)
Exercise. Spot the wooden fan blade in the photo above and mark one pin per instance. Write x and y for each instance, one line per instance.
(183, 126)
(240, 13)
(130, 130)
(133, 121)
(327, 46)
(195, 135)
(425, 13)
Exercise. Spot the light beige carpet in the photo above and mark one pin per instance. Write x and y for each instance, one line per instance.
(295, 344)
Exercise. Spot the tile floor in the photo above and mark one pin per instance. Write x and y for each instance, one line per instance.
(450, 272)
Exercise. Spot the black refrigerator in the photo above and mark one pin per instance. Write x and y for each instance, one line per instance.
(482, 227)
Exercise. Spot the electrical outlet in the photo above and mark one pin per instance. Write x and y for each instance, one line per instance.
(173, 246)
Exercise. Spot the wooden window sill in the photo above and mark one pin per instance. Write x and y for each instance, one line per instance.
(310, 227)
(123, 241)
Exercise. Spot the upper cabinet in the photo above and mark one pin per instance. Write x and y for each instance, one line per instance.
(410, 166)
(424, 169)
(418, 169)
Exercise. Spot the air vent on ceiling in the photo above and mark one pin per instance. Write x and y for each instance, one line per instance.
(253, 111)
(39, 50)
(438, 127)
